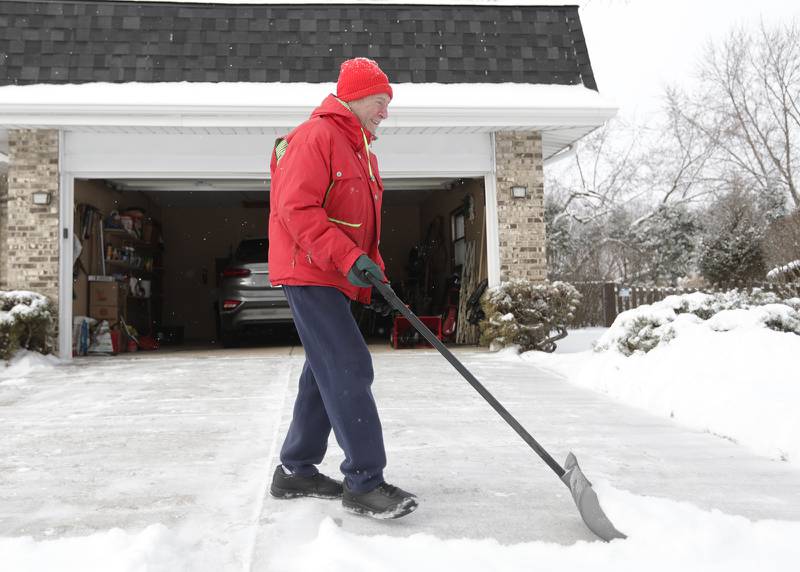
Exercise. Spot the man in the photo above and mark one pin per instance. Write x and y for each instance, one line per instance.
(324, 226)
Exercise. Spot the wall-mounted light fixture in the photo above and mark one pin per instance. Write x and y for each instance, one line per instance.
(519, 192)
(41, 198)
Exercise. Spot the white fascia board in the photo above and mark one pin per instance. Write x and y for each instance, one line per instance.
(187, 104)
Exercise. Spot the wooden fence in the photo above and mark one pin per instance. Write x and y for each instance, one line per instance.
(602, 302)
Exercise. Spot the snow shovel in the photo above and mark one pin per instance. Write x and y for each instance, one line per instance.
(571, 474)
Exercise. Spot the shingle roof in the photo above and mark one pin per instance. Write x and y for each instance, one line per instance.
(76, 42)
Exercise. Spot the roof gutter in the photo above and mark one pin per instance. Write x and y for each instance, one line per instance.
(569, 151)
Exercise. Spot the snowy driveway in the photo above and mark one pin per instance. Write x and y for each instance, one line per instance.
(188, 444)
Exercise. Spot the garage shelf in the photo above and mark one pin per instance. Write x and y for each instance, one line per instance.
(127, 266)
(133, 239)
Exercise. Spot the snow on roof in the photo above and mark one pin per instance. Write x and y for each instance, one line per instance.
(410, 2)
(187, 94)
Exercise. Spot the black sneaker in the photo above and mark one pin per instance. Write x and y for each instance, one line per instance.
(292, 486)
(384, 501)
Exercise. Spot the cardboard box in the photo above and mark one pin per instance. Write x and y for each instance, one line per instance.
(108, 313)
(106, 294)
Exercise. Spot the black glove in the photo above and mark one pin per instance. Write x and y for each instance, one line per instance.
(363, 264)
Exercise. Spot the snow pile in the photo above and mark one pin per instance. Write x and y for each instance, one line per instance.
(154, 549)
(664, 535)
(410, 2)
(734, 374)
(22, 364)
(255, 95)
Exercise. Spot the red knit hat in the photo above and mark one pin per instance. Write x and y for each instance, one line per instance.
(359, 78)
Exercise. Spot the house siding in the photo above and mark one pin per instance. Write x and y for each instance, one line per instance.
(28, 232)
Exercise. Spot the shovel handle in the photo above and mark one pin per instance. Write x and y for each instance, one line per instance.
(387, 292)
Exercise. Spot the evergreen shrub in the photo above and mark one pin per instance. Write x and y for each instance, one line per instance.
(531, 315)
(27, 321)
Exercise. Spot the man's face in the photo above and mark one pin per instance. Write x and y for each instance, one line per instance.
(371, 110)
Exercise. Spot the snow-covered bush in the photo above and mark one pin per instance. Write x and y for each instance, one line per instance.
(642, 329)
(705, 305)
(532, 316)
(27, 320)
(789, 272)
(781, 318)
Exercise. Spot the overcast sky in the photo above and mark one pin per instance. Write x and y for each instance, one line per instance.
(639, 46)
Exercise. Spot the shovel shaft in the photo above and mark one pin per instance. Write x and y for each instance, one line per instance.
(398, 305)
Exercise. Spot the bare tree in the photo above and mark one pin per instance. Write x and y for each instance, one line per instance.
(622, 184)
(601, 175)
(632, 202)
(747, 108)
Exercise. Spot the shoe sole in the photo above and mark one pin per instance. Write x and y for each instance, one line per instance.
(286, 494)
(407, 506)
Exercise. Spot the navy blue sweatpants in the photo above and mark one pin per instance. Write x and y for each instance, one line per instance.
(334, 391)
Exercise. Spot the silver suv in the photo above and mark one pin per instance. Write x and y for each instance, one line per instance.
(246, 298)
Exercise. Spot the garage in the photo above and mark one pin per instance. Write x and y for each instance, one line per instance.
(463, 184)
(156, 257)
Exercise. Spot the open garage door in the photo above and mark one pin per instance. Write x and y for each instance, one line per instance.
(198, 197)
(184, 261)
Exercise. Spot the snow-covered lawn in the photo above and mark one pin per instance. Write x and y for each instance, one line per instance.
(728, 375)
(161, 464)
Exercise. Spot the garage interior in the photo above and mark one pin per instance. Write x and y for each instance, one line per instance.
(154, 271)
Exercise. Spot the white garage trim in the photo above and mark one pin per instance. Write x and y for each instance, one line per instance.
(66, 210)
(492, 222)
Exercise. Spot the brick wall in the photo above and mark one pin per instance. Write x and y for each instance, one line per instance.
(518, 158)
(30, 232)
(3, 229)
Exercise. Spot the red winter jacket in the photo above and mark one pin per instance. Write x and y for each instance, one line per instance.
(325, 211)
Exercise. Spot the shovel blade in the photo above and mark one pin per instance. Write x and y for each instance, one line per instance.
(587, 501)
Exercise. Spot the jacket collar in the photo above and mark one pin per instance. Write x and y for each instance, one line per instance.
(338, 110)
